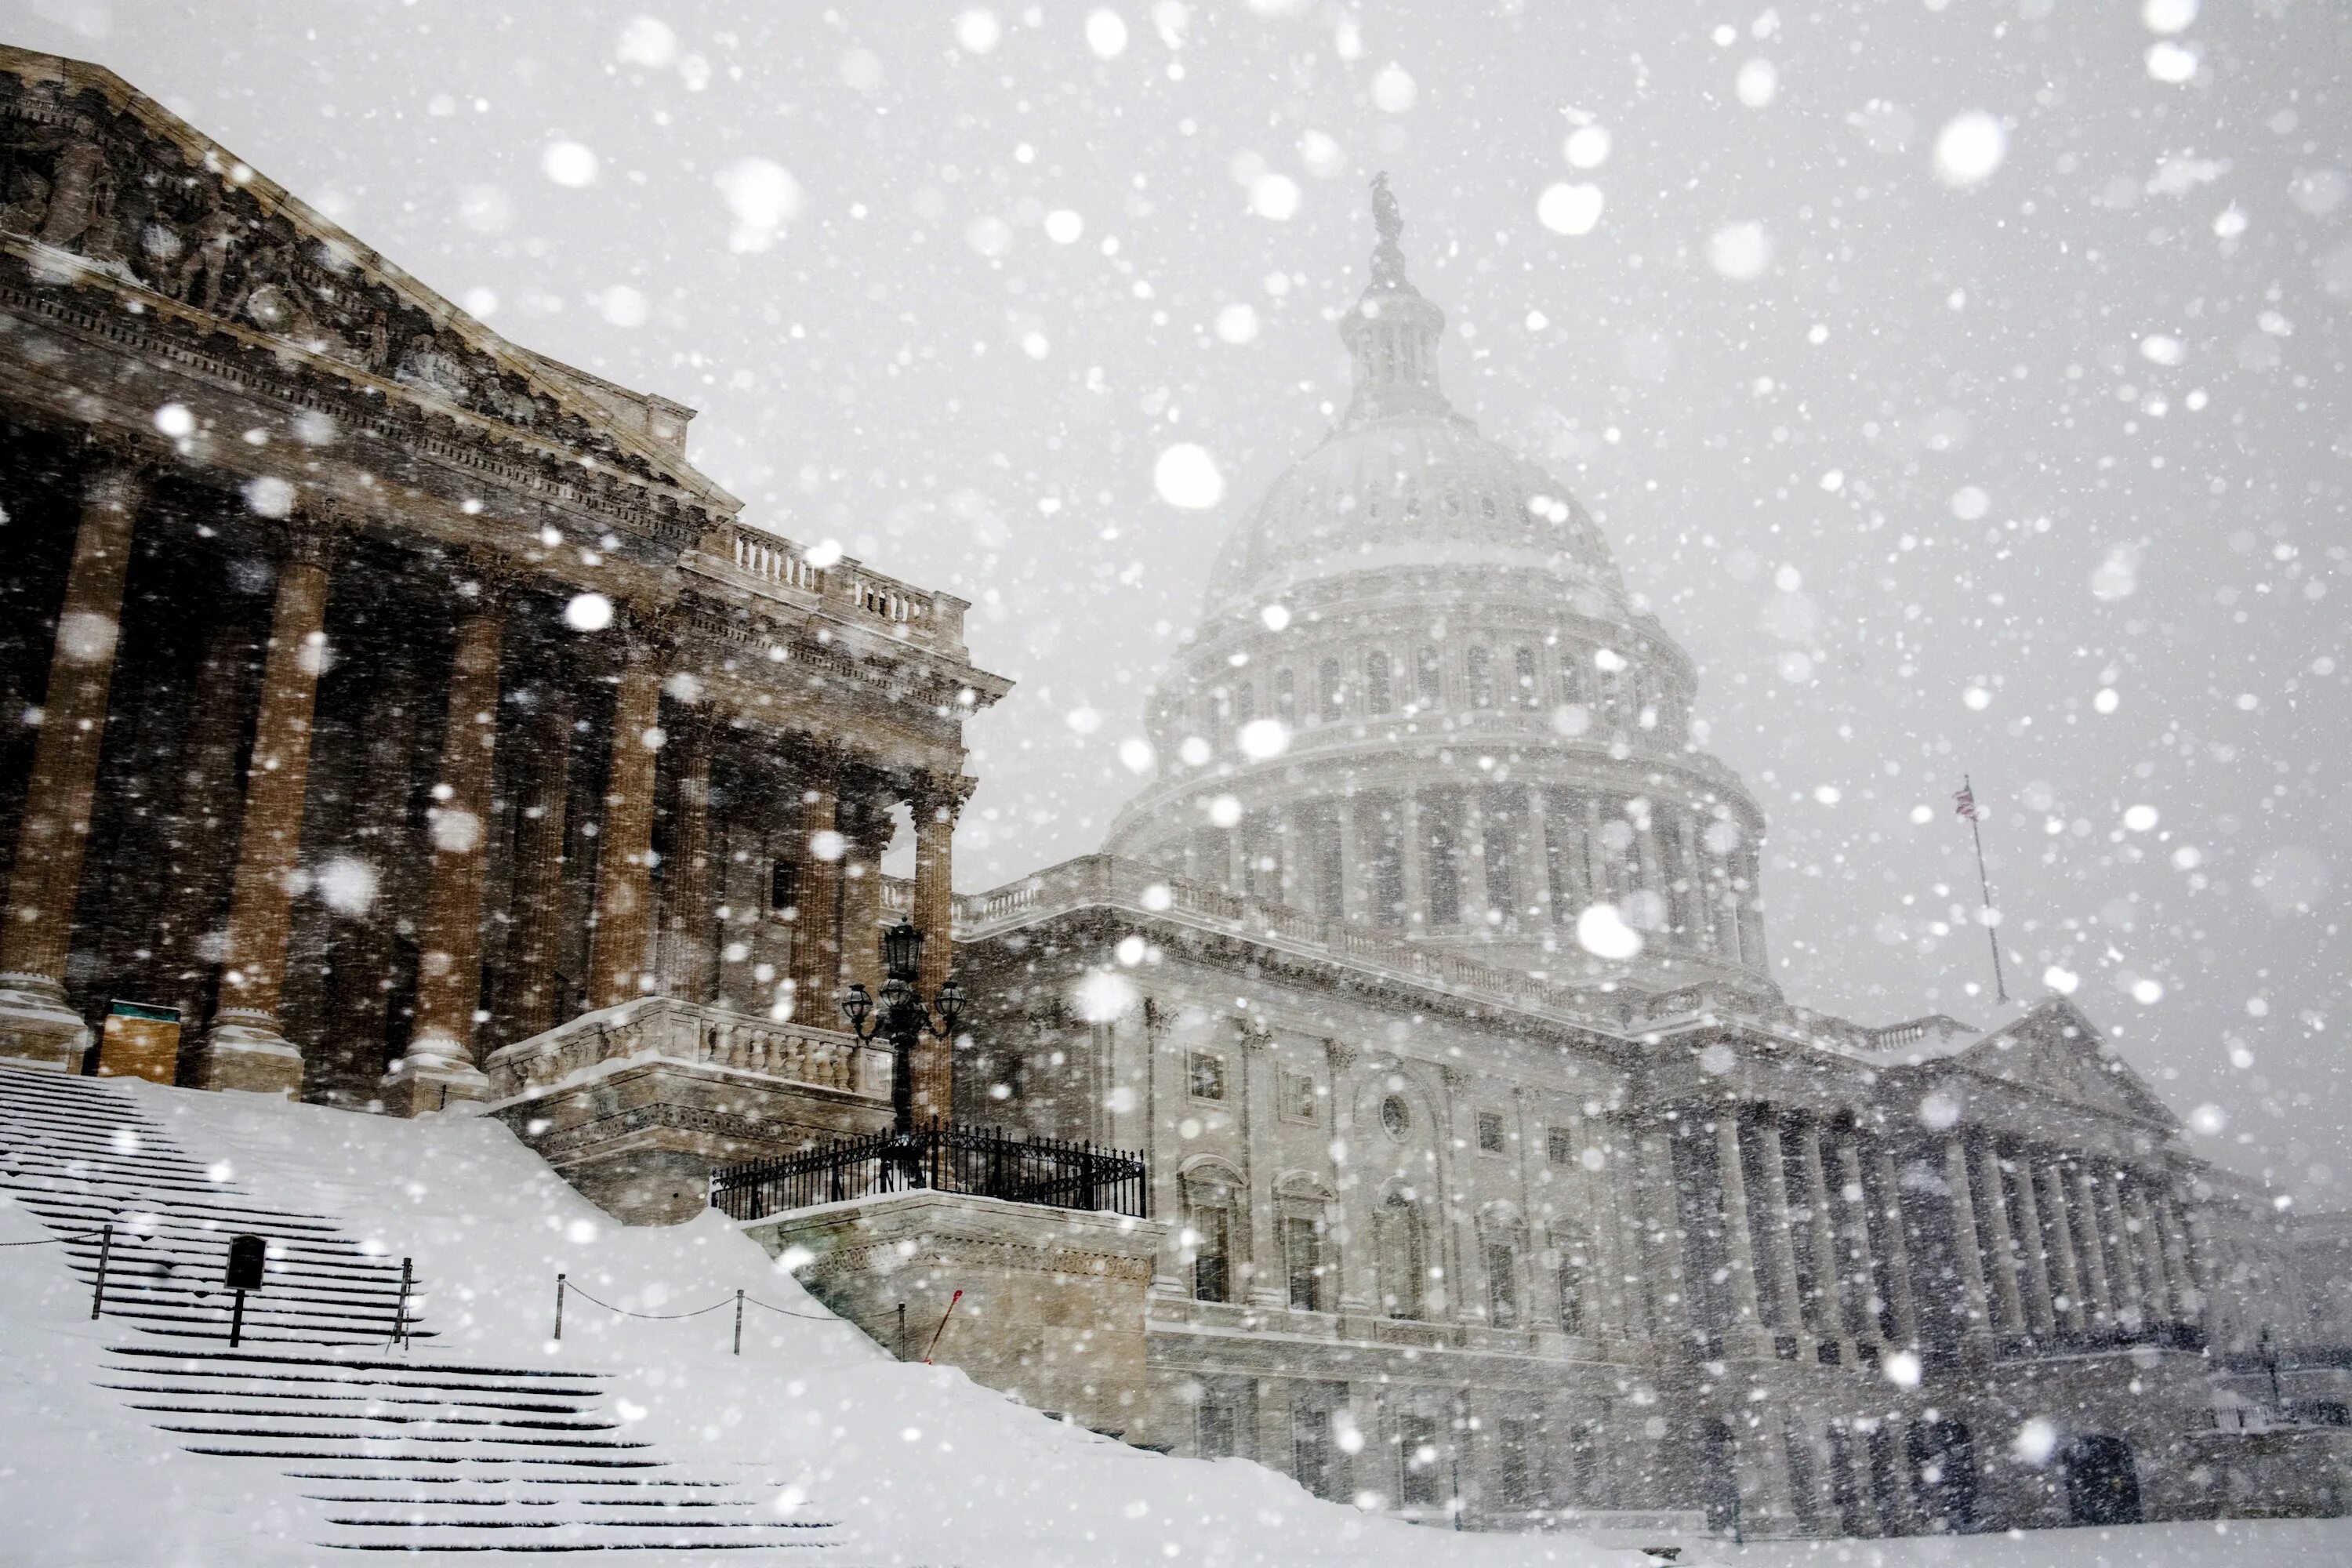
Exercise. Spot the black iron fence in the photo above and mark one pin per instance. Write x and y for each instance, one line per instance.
(981, 1161)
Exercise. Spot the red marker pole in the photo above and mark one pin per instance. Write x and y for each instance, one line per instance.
(942, 1327)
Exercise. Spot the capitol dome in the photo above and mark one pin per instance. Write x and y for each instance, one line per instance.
(1420, 701)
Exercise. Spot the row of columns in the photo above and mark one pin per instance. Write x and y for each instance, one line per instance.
(1555, 860)
(1855, 1295)
(244, 1046)
(2047, 1243)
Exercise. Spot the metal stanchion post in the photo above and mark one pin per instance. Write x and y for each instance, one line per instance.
(105, 1251)
(559, 1307)
(400, 1311)
(738, 1323)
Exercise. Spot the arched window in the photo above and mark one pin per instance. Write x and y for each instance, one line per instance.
(1335, 690)
(1574, 684)
(1244, 703)
(1502, 1284)
(1377, 685)
(1530, 685)
(1285, 697)
(1209, 1216)
(1429, 676)
(1479, 668)
(1397, 1231)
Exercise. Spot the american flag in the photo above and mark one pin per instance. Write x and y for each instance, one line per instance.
(1965, 802)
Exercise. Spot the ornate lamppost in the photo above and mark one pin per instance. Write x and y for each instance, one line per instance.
(903, 1019)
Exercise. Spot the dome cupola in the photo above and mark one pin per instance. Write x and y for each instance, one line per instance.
(1420, 701)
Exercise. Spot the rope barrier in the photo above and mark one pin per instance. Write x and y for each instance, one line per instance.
(51, 1240)
(565, 1289)
(652, 1317)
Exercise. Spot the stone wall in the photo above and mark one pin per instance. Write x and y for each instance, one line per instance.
(1051, 1310)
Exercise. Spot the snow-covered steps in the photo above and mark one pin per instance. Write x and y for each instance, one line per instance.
(387, 1451)
(450, 1456)
(79, 1154)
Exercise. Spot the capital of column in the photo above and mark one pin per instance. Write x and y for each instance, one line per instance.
(938, 797)
(1340, 1055)
(484, 578)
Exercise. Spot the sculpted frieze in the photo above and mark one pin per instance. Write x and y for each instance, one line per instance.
(104, 193)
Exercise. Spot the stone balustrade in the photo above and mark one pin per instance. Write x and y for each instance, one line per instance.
(775, 567)
(1145, 890)
(666, 1028)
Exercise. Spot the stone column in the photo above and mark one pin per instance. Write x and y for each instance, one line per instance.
(438, 1066)
(2123, 1275)
(618, 947)
(2053, 1186)
(1739, 1240)
(1354, 888)
(1690, 904)
(1268, 1286)
(935, 805)
(2180, 1271)
(1359, 1282)
(2092, 1247)
(866, 824)
(1676, 1315)
(1412, 860)
(1864, 1272)
(1783, 1239)
(2041, 1307)
(1475, 900)
(2155, 1288)
(35, 1023)
(1993, 1212)
(539, 869)
(243, 1049)
(686, 948)
(1751, 912)
(816, 932)
(1456, 1224)
(1601, 880)
(1964, 1235)
(1889, 1201)
(1535, 839)
(203, 813)
(1828, 1268)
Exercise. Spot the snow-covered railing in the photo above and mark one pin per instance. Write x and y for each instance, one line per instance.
(668, 1028)
(775, 567)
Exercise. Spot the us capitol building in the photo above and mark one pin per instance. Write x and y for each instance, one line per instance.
(409, 726)
(1431, 973)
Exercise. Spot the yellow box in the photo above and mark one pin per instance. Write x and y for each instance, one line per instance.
(140, 1041)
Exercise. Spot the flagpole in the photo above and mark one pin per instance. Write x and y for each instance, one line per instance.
(1992, 932)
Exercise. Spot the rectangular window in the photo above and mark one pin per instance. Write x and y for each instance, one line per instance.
(784, 885)
(1478, 672)
(1559, 1147)
(1302, 1248)
(1502, 1285)
(1519, 1463)
(1490, 1132)
(1429, 676)
(1443, 870)
(1219, 1425)
(1334, 693)
(1206, 1075)
(1285, 697)
(1211, 1253)
(1298, 1100)
(1376, 697)
(1573, 1274)
(1421, 1458)
(1310, 1439)
(1530, 689)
